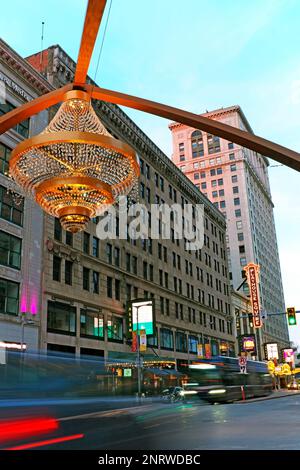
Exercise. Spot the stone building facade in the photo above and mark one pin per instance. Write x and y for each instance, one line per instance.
(88, 281)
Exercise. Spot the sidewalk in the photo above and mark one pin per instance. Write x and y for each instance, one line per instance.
(275, 394)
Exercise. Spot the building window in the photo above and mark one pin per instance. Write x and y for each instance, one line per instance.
(181, 158)
(134, 265)
(204, 185)
(95, 282)
(215, 194)
(233, 167)
(4, 159)
(56, 274)
(117, 256)
(166, 339)
(109, 287)
(128, 262)
(239, 225)
(193, 342)
(57, 230)
(91, 324)
(181, 343)
(162, 184)
(109, 253)
(9, 297)
(128, 292)
(117, 289)
(68, 272)
(238, 213)
(69, 238)
(230, 145)
(9, 209)
(242, 249)
(213, 143)
(86, 243)
(221, 192)
(86, 278)
(23, 127)
(219, 171)
(197, 144)
(61, 318)
(231, 156)
(236, 201)
(240, 236)
(196, 176)
(142, 190)
(235, 189)
(96, 247)
(243, 261)
(234, 178)
(222, 204)
(220, 182)
(151, 272)
(147, 171)
(10, 250)
(213, 172)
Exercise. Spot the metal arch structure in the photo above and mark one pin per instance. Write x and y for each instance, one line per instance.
(94, 14)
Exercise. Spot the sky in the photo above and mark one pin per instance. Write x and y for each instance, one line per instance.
(197, 55)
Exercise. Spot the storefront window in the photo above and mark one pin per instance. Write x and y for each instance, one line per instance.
(166, 339)
(115, 330)
(193, 341)
(181, 343)
(91, 324)
(61, 318)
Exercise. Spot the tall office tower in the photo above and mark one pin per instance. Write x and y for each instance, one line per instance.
(236, 180)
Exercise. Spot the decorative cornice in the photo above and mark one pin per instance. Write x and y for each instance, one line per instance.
(23, 68)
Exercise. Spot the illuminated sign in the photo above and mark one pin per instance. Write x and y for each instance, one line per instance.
(271, 351)
(200, 354)
(288, 355)
(140, 316)
(248, 344)
(252, 271)
(127, 373)
(207, 351)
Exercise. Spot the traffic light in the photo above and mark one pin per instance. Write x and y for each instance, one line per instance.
(291, 314)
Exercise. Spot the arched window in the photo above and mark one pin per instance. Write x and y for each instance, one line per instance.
(213, 143)
(197, 144)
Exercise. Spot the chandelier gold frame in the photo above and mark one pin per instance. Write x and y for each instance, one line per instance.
(92, 22)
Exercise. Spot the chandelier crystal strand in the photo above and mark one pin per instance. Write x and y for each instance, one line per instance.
(75, 169)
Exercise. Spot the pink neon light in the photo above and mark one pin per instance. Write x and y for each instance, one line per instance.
(33, 306)
(23, 304)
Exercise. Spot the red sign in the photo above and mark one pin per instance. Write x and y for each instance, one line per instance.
(252, 271)
(207, 351)
(134, 344)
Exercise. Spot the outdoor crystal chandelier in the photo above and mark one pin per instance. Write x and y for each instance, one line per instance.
(74, 169)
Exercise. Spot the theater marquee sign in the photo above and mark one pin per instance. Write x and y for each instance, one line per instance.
(252, 272)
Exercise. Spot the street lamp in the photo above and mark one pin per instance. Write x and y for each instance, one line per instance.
(138, 345)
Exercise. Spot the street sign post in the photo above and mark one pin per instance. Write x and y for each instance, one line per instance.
(243, 364)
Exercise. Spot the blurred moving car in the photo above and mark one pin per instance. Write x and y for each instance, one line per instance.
(294, 386)
(173, 394)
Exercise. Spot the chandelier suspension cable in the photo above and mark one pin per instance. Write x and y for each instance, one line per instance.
(100, 52)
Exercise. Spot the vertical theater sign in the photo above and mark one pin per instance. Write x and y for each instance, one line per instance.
(252, 272)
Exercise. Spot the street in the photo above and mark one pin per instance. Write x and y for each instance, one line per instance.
(259, 425)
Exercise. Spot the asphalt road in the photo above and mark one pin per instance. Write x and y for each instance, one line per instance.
(268, 424)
